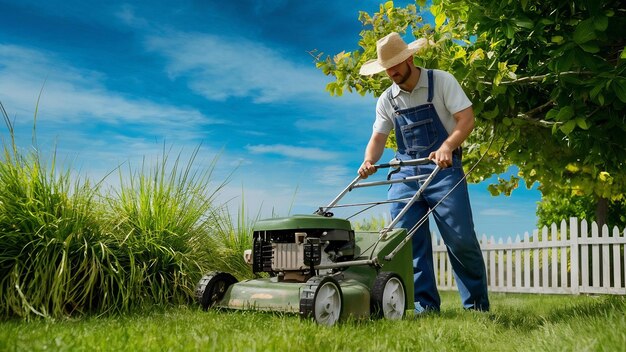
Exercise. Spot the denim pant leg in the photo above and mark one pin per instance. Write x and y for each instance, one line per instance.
(454, 221)
(425, 286)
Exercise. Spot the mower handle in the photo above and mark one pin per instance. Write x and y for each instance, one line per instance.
(396, 163)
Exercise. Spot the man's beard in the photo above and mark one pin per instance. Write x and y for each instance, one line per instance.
(404, 77)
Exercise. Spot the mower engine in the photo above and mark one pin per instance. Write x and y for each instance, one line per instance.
(294, 248)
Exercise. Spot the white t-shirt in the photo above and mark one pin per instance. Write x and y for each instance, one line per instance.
(449, 98)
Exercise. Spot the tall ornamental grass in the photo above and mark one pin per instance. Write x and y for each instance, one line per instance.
(54, 259)
(373, 223)
(228, 240)
(66, 249)
(161, 217)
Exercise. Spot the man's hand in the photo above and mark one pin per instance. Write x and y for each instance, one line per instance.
(373, 152)
(464, 126)
(442, 157)
(366, 169)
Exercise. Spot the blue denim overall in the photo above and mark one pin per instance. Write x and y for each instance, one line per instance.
(419, 131)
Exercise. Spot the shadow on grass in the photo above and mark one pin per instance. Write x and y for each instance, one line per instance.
(603, 306)
(529, 319)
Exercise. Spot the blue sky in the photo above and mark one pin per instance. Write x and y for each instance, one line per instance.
(121, 80)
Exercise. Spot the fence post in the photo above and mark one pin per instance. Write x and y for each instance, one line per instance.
(492, 265)
(575, 266)
(564, 260)
(535, 254)
(583, 248)
(545, 248)
(527, 270)
(606, 261)
(617, 263)
(518, 265)
(595, 256)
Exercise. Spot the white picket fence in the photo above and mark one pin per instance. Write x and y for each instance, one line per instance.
(568, 260)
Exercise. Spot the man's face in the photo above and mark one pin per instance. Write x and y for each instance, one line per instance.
(400, 72)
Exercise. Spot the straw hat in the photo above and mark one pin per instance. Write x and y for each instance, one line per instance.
(391, 50)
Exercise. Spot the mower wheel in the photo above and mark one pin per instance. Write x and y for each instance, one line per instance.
(321, 299)
(212, 288)
(388, 297)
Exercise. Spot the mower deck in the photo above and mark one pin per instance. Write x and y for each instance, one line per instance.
(355, 285)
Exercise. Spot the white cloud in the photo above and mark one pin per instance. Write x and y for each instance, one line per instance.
(335, 176)
(220, 67)
(295, 152)
(127, 15)
(75, 101)
(71, 95)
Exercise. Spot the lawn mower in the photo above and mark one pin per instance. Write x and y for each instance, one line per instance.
(318, 267)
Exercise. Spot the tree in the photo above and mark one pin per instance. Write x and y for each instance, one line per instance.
(554, 208)
(547, 80)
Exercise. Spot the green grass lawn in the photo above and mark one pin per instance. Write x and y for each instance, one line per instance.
(516, 323)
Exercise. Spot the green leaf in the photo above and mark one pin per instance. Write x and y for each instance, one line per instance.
(477, 54)
(572, 21)
(525, 23)
(571, 79)
(555, 128)
(623, 55)
(510, 31)
(590, 47)
(584, 32)
(556, 39)
(552, 114)
(440, 19)
(460, 53)
(388, 5)
(565, 61)
(595, 91)
(582, 123)
(435, 10)
(619, 87)
(490, 115)
(493, 190)
(568, 127)
(546, 21)
(565, 114)
(330, 87)
(601, 23)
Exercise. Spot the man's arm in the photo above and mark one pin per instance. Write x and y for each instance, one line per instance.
(373, 152)
(464, 126)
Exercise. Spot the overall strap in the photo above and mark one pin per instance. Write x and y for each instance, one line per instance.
(392, 101)
(431, 86)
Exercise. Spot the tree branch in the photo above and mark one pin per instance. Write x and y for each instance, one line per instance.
(530, 115)
(542, 123)
(540, 78)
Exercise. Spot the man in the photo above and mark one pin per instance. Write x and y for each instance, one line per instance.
(432, 117)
